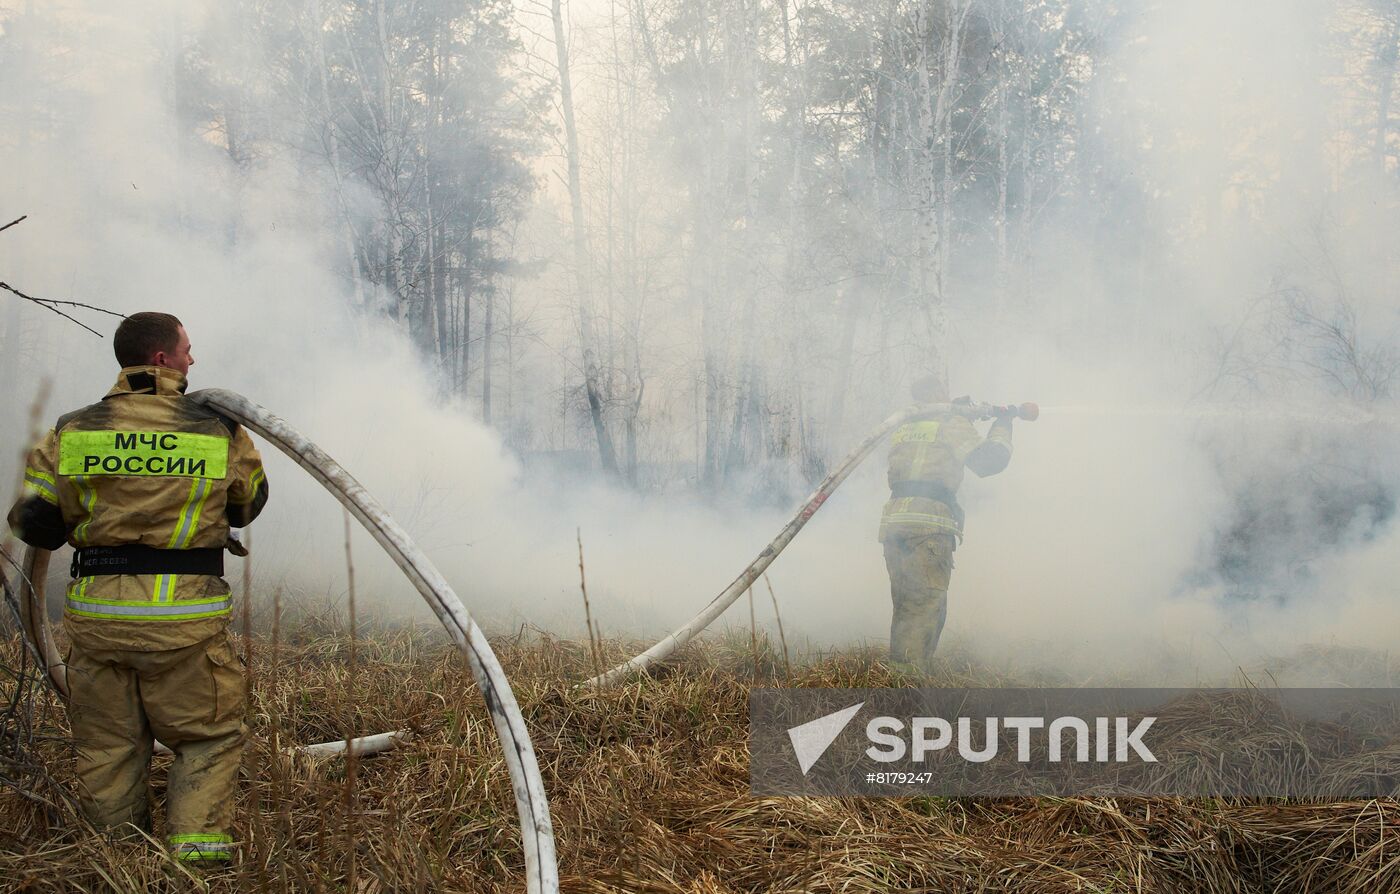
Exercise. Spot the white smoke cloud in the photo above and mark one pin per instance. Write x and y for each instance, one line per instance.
(1076, 557)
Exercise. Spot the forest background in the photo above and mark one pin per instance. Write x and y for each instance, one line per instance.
(644, 269)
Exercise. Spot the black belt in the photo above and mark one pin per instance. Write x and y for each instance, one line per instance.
(929, 489)
(135, 559)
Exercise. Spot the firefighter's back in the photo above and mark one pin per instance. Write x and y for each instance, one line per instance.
(145, 485)
(145, 478)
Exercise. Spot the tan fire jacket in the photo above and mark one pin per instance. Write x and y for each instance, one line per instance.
(935, 452)
(147, 466)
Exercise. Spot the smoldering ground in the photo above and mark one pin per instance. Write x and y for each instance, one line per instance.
(1161, 546)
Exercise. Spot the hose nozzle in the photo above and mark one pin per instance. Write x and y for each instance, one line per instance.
(1027, 411)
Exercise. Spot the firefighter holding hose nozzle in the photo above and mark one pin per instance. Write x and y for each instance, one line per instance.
(922, 522)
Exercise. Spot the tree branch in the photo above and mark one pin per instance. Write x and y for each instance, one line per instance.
(50, 304)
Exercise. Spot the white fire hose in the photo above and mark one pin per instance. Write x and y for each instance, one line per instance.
(35, 625)
(531, 801)
(532, 804)
(727, 597)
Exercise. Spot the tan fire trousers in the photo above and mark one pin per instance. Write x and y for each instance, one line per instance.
(192, 700)
(920, 567)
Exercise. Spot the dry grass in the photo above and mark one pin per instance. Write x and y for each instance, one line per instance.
(649, 788)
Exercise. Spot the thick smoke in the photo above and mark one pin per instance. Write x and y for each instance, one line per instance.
(1119, 544)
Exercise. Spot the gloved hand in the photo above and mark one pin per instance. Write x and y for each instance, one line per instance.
(234, 545)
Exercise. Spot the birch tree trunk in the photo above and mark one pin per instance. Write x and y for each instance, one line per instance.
(606, 454)
(488, 299)
(1385, 65)
(928, 115)
(332, 137)
(431, 322)
(1003, 169)
(392, 205)
(955, 14)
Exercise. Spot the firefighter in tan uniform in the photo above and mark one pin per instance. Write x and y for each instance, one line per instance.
(922, 522)
(145, 485)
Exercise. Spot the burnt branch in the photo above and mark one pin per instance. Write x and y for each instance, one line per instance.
(50, 304)
(54, 304)
(24, 769)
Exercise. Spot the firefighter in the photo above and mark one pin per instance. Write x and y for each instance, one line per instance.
(922, 522)
(145, 485)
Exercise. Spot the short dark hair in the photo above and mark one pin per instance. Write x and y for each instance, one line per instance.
(141, 336)
(929, 389)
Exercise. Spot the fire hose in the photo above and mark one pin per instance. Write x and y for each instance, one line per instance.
(730, 594)
(532, 804)
(531, 801)
(35, 626)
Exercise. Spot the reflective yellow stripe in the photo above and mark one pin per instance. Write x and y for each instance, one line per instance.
(78, 589)
(164, 590)
(41, 483)
(136, 610)
(919, 520)
(204, 853)
(32, 472)
(41, 489)
(206, 487)
(189, 515)
(203, 846)
(253, 481)
(202, 837)
(923, 517)
(184, 514)
(192, 616)
(87, 497)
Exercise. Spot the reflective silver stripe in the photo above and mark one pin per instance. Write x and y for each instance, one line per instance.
(254, 481)
(87, 496)
(203, 851)
(193, 505)
(165, 588)
(151, 609)
(205, 846)
(45, 488)
(919, 518)
(201, 838)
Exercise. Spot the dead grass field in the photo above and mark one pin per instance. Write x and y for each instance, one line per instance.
(649, 791)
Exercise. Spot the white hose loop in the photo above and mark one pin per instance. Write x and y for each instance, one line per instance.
(730, 594)
(536, 829)
(361, 746)
(35, 622)
(532, 804)
(34, 618)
